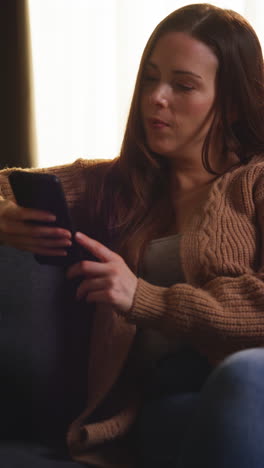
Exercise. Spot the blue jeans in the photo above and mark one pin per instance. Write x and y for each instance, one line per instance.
(217, 423)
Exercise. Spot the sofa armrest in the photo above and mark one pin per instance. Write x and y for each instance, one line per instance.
(44, 339)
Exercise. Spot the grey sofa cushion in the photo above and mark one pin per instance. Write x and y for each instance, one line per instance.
(31, 296)
(44, 337)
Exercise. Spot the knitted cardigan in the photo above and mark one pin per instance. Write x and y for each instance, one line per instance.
(218, 310)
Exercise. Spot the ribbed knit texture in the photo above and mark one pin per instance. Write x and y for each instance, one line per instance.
(72, 176)
(220, 308)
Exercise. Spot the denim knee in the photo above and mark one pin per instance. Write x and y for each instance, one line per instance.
(227, 428)
(246, 358)
(244, 369)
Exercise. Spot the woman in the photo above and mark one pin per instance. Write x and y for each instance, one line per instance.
(178, 219)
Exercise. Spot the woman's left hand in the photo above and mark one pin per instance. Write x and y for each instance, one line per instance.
(110, 280)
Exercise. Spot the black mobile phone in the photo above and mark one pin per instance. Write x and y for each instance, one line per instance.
(43, 191)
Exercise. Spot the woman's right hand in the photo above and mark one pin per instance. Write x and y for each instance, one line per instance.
(19, 228)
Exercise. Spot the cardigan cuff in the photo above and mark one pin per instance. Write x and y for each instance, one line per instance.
(149, 303)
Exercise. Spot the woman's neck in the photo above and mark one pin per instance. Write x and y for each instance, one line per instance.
(191, 176)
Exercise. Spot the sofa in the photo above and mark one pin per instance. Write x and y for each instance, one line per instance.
(44, 345)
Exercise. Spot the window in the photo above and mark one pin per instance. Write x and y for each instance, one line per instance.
(85, 59)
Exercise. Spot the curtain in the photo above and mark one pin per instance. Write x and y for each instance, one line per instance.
(16, 110)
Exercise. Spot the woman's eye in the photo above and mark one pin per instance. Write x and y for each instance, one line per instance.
(149, 78)
(183, 87)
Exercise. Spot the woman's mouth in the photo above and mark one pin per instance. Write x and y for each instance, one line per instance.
(157, 124)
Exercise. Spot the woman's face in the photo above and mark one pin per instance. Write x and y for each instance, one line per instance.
(177, 95)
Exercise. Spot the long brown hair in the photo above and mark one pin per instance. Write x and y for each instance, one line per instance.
(138, 180)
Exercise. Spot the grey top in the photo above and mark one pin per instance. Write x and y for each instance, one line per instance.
(160, 266)
(161, 263)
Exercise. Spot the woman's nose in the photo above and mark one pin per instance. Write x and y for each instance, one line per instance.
(160, 95)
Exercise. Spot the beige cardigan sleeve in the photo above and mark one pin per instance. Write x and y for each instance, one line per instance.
(226, 315)
(73, 178)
